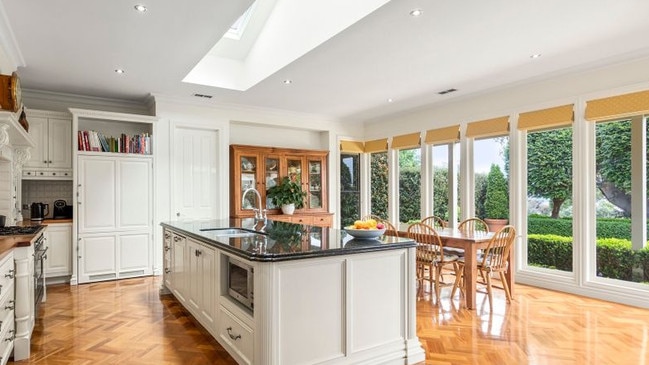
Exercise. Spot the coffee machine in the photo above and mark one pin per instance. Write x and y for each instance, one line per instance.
(62, 210)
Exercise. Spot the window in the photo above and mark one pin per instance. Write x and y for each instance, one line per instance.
(409, 185)
(621, 222)
(491, 170)
(350, 194)
(379, 184)
(549, 199)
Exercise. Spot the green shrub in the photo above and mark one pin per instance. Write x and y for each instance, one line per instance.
(497, 198)
(615, 258)
(606, 227)
(550, 251)
(642, 258)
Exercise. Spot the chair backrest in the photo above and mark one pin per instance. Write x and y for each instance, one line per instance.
(434, 221)
(497, 252)
(390, 230)
(473, 225)
(429, 245)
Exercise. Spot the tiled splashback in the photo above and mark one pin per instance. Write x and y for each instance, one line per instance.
(45, 191)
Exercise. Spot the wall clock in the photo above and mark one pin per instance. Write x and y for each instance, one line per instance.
(10, 92)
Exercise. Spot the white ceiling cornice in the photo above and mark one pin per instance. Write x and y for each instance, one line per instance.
(11, 58)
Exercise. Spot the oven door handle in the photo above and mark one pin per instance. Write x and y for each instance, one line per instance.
(42, 252)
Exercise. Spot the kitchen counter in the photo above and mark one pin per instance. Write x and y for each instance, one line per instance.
(263, 293)
(281, 241)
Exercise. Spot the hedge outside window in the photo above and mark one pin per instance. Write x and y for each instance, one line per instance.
(379, 184)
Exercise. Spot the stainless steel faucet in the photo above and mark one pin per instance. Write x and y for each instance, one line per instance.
(260, 214)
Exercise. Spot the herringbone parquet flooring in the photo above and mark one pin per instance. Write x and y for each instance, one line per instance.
(127, 322)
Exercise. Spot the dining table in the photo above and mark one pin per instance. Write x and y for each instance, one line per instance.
(471, 242)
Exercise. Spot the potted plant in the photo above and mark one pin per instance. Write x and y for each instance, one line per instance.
(287, 194)
(287, 236)
(497, 199)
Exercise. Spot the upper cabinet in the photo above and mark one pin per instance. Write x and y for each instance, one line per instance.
(52, 155)
(263, 167)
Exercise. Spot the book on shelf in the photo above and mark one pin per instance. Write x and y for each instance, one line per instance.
(124, 143)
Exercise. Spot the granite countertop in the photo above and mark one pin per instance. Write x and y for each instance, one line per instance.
(280, 241)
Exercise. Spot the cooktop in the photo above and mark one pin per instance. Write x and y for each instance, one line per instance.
(17, 230)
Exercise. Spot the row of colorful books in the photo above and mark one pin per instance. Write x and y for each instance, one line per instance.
(96, 141)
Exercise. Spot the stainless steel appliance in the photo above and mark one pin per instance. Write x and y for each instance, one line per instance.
(240, 282)
(40, 256)
(39, 211)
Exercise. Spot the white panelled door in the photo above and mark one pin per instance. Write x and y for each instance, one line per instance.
(97, 194)
(195, 165)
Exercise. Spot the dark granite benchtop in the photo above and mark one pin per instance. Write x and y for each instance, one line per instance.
(280, 241)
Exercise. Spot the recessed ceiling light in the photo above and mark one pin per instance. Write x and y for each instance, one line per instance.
(119, 71)
(288, 81)
(536, 55)
(141, 8)
(390, 100)
(416, 12)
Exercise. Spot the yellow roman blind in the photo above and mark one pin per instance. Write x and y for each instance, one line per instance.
(352, 146)
(405, 141)
(619, 106)
(443, 135)
(488, 128)
(376, 145)
(547, 118)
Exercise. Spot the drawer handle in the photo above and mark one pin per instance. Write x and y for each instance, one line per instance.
(167, 248)
(12, 337)
(167, 270)
(167, 235)
(176, 239)
(232, 336)
(11, 306)
(10, 275)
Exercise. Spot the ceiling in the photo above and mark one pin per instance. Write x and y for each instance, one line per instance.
(345, 62)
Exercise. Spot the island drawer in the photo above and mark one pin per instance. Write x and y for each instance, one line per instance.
(236, 334)
(7, 337)
(7, 272)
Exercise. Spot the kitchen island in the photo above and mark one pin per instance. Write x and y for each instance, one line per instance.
(317, 296)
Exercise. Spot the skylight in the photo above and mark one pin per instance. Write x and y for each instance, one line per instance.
(237, 28)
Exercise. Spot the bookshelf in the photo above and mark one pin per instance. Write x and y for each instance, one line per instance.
(113, 195)
(107, 132)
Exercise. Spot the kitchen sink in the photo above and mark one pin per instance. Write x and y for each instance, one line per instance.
(232, 232)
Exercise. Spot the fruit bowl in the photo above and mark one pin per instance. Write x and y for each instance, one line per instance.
(365, 233)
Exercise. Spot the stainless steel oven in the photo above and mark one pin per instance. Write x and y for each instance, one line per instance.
(240, 282)
(40, 256)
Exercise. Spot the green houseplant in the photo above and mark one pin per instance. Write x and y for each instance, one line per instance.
(287, 194)
(496, 200)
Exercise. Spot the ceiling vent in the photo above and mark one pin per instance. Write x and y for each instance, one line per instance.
(202, 96)
(447, 91)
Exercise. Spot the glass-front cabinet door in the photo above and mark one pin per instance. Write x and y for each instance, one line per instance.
(294, 169)
(271, 177)
(248, 179)
(314, 195)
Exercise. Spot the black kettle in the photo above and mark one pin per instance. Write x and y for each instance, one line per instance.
(39, 211)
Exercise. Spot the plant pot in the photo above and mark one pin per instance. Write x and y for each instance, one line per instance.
(495, 224)
(288, 209)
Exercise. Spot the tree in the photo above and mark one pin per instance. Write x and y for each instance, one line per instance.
(480, 194)
(497, 197)
(613, 163)
(549, 166)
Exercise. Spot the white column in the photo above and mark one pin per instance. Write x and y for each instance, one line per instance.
(638, 183)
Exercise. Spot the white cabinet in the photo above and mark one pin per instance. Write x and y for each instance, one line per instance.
(179, 263)
(114, 216)
(7, 305)
(59, 250)
(52, 156)
(202, 285)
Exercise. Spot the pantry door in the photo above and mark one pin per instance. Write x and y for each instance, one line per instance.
(195, 173)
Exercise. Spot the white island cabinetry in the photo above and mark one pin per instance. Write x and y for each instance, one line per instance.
(345, 307)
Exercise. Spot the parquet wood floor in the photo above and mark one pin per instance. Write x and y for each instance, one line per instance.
(127, 322)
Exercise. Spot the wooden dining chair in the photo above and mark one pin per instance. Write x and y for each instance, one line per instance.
(473, 225)
(390, 229)
(434, 221)
(494, 259)
(430, 257)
